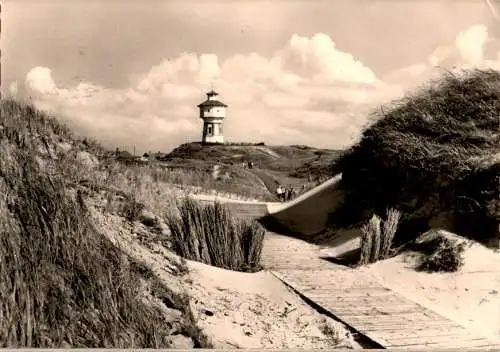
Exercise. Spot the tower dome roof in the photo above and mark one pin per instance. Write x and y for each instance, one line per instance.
(212, 103)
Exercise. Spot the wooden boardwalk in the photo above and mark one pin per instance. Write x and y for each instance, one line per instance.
(356, 299)
(361, 302)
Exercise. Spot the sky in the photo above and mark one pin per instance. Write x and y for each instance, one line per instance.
(291, 71)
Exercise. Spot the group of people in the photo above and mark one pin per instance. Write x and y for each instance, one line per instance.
(247, 165)
(285, 193)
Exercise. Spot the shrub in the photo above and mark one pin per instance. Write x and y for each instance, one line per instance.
(210, 234)
(443, 255)
(426, 152)
(131, 209)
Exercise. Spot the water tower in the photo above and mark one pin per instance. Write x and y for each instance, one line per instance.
(213, 112)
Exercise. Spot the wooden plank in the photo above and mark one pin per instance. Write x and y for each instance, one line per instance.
(333, 273)
(326, 291)
(414, 317)
(366, 323)
(371, 311)
(420, 338)
(376, 299)
(363, 308)
(343, 282)
(358, 294)
(403, 333)
(457, 343)
(424, 329)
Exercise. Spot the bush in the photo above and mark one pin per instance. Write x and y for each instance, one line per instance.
(442, 255)
(131, 209)
(427, 153)
(211, 235)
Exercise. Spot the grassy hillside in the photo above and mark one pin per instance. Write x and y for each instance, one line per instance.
(433, 153)
(291, 165)
(63, 283)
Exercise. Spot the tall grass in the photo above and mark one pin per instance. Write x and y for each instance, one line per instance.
(368, 231)
(62, 283)
(377, 236)
(212, 235)
(186, 179)
(390, 227)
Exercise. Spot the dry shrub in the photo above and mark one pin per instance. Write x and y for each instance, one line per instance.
(212, 235)
(442, 255)
(131, 209)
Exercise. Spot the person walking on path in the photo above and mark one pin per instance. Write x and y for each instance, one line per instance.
(280, 192)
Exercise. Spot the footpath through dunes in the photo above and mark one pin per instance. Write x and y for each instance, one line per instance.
(377, 316)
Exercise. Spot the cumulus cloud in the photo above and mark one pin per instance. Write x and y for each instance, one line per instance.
(468, 50)
(470, 44)
(306, 86)
(40, 80)
(308, 92)
(319, 58)
(472, 47)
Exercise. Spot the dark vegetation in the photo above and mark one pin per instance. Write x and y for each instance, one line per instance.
(212, 235)
(434, 151)
(442, 252)
(62, 283)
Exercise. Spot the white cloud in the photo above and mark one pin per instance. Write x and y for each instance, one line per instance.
(309, 92)
(14, 88)
(470, 44)
(318, 57)
(468, 49)
(301, 88)
(472, 47)
(40, 80)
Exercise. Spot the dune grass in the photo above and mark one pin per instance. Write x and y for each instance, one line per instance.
(377, 236)
(212, 235)
(62, 283)
(435, 150)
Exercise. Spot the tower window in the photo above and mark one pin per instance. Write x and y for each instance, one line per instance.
(209, 129)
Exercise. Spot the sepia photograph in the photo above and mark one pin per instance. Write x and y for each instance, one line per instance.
(250, 174)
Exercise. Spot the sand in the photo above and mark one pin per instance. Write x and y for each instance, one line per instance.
(256, 310)
(235, 310)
